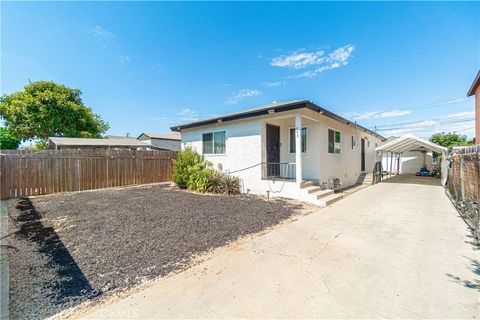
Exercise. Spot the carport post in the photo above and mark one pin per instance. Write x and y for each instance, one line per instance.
(391, 163)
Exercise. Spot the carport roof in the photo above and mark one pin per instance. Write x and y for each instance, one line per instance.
(410, 143)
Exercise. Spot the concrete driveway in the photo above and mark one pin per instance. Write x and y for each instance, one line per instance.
(394, 250)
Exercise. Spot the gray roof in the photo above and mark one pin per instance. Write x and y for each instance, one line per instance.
(275, 108)
(113, 136)
(170, 136)
(94, 142)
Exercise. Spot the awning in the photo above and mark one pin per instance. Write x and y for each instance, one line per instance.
(411, 143)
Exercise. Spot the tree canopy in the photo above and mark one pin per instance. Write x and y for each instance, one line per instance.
(45, 109)
(7, 140)
(450, 139)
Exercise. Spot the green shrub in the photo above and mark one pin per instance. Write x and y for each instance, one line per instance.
(216, 182)
(186, 159)
(199, 177)
(192, 171)
(223, 183)
(231, 184)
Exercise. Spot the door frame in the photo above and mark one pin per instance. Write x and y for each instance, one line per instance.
(362, 155)
(272, 169)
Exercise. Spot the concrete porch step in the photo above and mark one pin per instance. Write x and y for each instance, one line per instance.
(308, 183)
(332, 198)
(323, 193)
(312, 189)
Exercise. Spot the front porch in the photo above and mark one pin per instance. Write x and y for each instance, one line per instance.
(285, 142)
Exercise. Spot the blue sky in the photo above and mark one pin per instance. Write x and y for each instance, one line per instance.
(403, 67)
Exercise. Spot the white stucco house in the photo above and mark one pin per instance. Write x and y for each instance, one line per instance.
(162, 141)
(294, 149)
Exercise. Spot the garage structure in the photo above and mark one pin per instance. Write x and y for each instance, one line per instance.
(409, 154)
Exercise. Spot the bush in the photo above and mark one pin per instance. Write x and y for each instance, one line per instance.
(199, 177)
(186, 160)
(224, 183)
(231, 184)
(8, 140)
(192, 171)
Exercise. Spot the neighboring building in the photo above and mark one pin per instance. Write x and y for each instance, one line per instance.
(113, 136)
(162, 141)
(294, 149)
(93, 143)
(475, 90)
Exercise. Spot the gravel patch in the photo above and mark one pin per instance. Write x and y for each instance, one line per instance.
(72, 247)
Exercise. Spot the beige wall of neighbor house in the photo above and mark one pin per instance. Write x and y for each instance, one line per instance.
(246, 150)
(475, 90)
(477, 115)
(163, 141)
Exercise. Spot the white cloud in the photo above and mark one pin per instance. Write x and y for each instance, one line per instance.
(123, 59)
(101, 33)
(299, 59)
(377, 114)
(273, 84)
(242, 95)
(302, 59)
(188, 114)
(461, 115)
(462, 122)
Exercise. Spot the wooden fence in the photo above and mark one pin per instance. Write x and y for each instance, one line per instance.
(24, 173)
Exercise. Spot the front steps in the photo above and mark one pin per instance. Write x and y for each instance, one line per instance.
(320, 196)
(365, 179)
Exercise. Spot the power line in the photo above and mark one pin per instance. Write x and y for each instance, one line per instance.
(427, 125)
(417, 121)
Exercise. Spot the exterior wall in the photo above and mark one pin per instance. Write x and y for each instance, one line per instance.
(245, 147)
(347, 165)
(172, 145)
(477, 115)
(166, 144)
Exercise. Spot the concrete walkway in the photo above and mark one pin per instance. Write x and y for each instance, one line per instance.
(394, 250)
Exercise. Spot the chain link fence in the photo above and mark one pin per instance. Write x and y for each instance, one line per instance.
(463, 184)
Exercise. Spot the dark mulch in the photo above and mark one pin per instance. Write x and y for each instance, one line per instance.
(72, 247)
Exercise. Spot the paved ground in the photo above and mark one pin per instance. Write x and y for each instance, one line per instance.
(394, 250)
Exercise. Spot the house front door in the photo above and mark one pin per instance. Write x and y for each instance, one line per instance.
(362, 160)
(273, 150)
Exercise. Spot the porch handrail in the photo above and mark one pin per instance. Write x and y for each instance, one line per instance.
(279, 170)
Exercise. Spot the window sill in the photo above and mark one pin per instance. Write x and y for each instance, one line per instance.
(214, 154)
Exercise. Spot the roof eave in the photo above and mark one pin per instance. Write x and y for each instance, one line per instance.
(474, 86)
(241, 115)
(276, 109)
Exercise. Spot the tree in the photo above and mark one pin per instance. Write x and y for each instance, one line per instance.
(46, 109)
(7, 140)
(450, 139)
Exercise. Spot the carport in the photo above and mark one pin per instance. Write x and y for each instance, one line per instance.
(391, 153)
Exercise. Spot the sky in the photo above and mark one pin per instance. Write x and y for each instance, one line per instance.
(398, 67)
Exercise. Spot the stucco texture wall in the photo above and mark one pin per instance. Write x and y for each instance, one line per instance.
(245, 147)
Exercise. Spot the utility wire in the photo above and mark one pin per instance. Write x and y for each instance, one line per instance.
(427, 125)
(418, 121)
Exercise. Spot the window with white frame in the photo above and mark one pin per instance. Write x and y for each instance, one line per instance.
(334, 141)
(292, 140)
(214, 142)
(354, 142)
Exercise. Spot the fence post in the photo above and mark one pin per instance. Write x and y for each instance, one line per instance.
(462, 178)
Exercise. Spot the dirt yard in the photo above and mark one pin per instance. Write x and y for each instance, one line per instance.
(73, 247)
